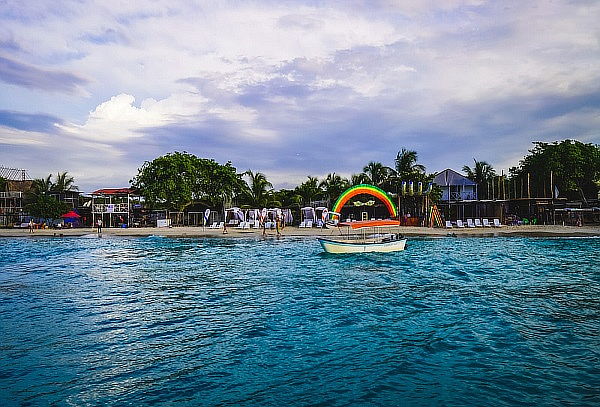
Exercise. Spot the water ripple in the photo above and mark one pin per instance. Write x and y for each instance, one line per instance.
(145, 321)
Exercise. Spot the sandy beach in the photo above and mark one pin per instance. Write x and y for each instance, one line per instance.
(290, 231)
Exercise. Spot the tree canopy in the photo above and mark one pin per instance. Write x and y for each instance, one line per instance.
(481, 173)
(176, 180)
(575, 168)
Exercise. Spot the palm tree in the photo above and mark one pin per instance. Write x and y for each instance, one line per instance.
(258, 189)
(481, 173)
(377, 173)
(42, 186)
(309, 190)
(357, 179)
(333, 185)
(64, 183)
(407, 167)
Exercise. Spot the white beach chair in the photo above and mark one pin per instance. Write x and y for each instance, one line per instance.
(459, 224)
(486, 223)
(214, 225)
(247, 225)
(302, 224)
(220, 225)
(256, 224)
(448, 224)
(478, 223)
(497, 223)
(470, 223)
(309, 224)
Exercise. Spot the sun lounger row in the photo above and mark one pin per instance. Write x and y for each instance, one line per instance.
(476, 223)
(217, 225)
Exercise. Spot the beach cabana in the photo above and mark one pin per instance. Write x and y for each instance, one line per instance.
(308, 214)
(233, 216)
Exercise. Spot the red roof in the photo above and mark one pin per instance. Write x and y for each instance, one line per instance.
(114, 191)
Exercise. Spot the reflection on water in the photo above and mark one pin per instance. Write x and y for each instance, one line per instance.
(122, 321)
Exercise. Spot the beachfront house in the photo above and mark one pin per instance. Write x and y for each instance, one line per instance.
(16, 183)
(114, 206)
(455, 186)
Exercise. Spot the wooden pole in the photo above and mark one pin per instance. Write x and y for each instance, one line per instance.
(528, 187)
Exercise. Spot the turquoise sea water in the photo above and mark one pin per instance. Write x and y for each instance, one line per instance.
(215, 322)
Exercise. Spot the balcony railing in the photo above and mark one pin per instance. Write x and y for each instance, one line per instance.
(462, 196)
(111, 208)
(11, 194)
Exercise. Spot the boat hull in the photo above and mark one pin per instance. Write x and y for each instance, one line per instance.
(338, 247)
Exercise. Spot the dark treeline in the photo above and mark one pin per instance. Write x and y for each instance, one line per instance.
(179, 180)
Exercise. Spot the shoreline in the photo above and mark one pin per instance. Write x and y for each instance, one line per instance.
(292, 231)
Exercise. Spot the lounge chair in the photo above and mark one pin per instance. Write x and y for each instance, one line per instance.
(470, 223)
(486, 223)
(459, 224)
(214, 225)
(309, 224)
(478, 223)
(497, 223)
(448, 224)
(256, 224)
(220, 225)
(302, 224)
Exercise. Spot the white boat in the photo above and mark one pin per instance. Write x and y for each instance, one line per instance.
(377, 242)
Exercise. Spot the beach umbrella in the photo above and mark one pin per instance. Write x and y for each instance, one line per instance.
(206, 216)
(71, 215)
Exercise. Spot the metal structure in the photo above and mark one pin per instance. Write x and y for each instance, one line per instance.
(14, 174)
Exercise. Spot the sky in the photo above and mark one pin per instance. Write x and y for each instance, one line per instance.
(292, 88)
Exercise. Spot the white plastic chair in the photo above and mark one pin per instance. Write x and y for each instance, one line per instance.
(470, 223)
(486, 223)
(478, 223)
(459, 224)
(302, 224)
(448, 224)
(497, 223)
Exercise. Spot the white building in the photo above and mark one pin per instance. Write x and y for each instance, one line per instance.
(455, 186)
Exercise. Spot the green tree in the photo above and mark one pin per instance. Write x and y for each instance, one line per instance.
(377, 174)
(357, 179)
(482, 173)
(309, 190)
(333, 185)
(407, 168)
(3, 184)
(258, 189)
(64, 183)
(46, 207)
(176, 180)
(216, 183)
(575, 168)
(41, 186)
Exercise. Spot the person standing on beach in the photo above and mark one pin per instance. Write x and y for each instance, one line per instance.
(99, 225)
(31, 224)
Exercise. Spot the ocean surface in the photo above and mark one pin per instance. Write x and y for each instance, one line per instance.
(249, 322)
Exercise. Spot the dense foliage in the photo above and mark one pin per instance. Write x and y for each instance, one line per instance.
(483, 174)
(46, 207)
(574, 166)
(44, 200)
(178, 179)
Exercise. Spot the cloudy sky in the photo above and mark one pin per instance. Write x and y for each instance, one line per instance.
(292, 87)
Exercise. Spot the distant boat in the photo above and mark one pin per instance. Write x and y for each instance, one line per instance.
(367, 243)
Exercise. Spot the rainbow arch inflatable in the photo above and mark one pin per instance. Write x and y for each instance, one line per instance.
(369, 190)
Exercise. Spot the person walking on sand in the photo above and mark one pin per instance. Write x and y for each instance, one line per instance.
(99, 225)
(31, 224)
